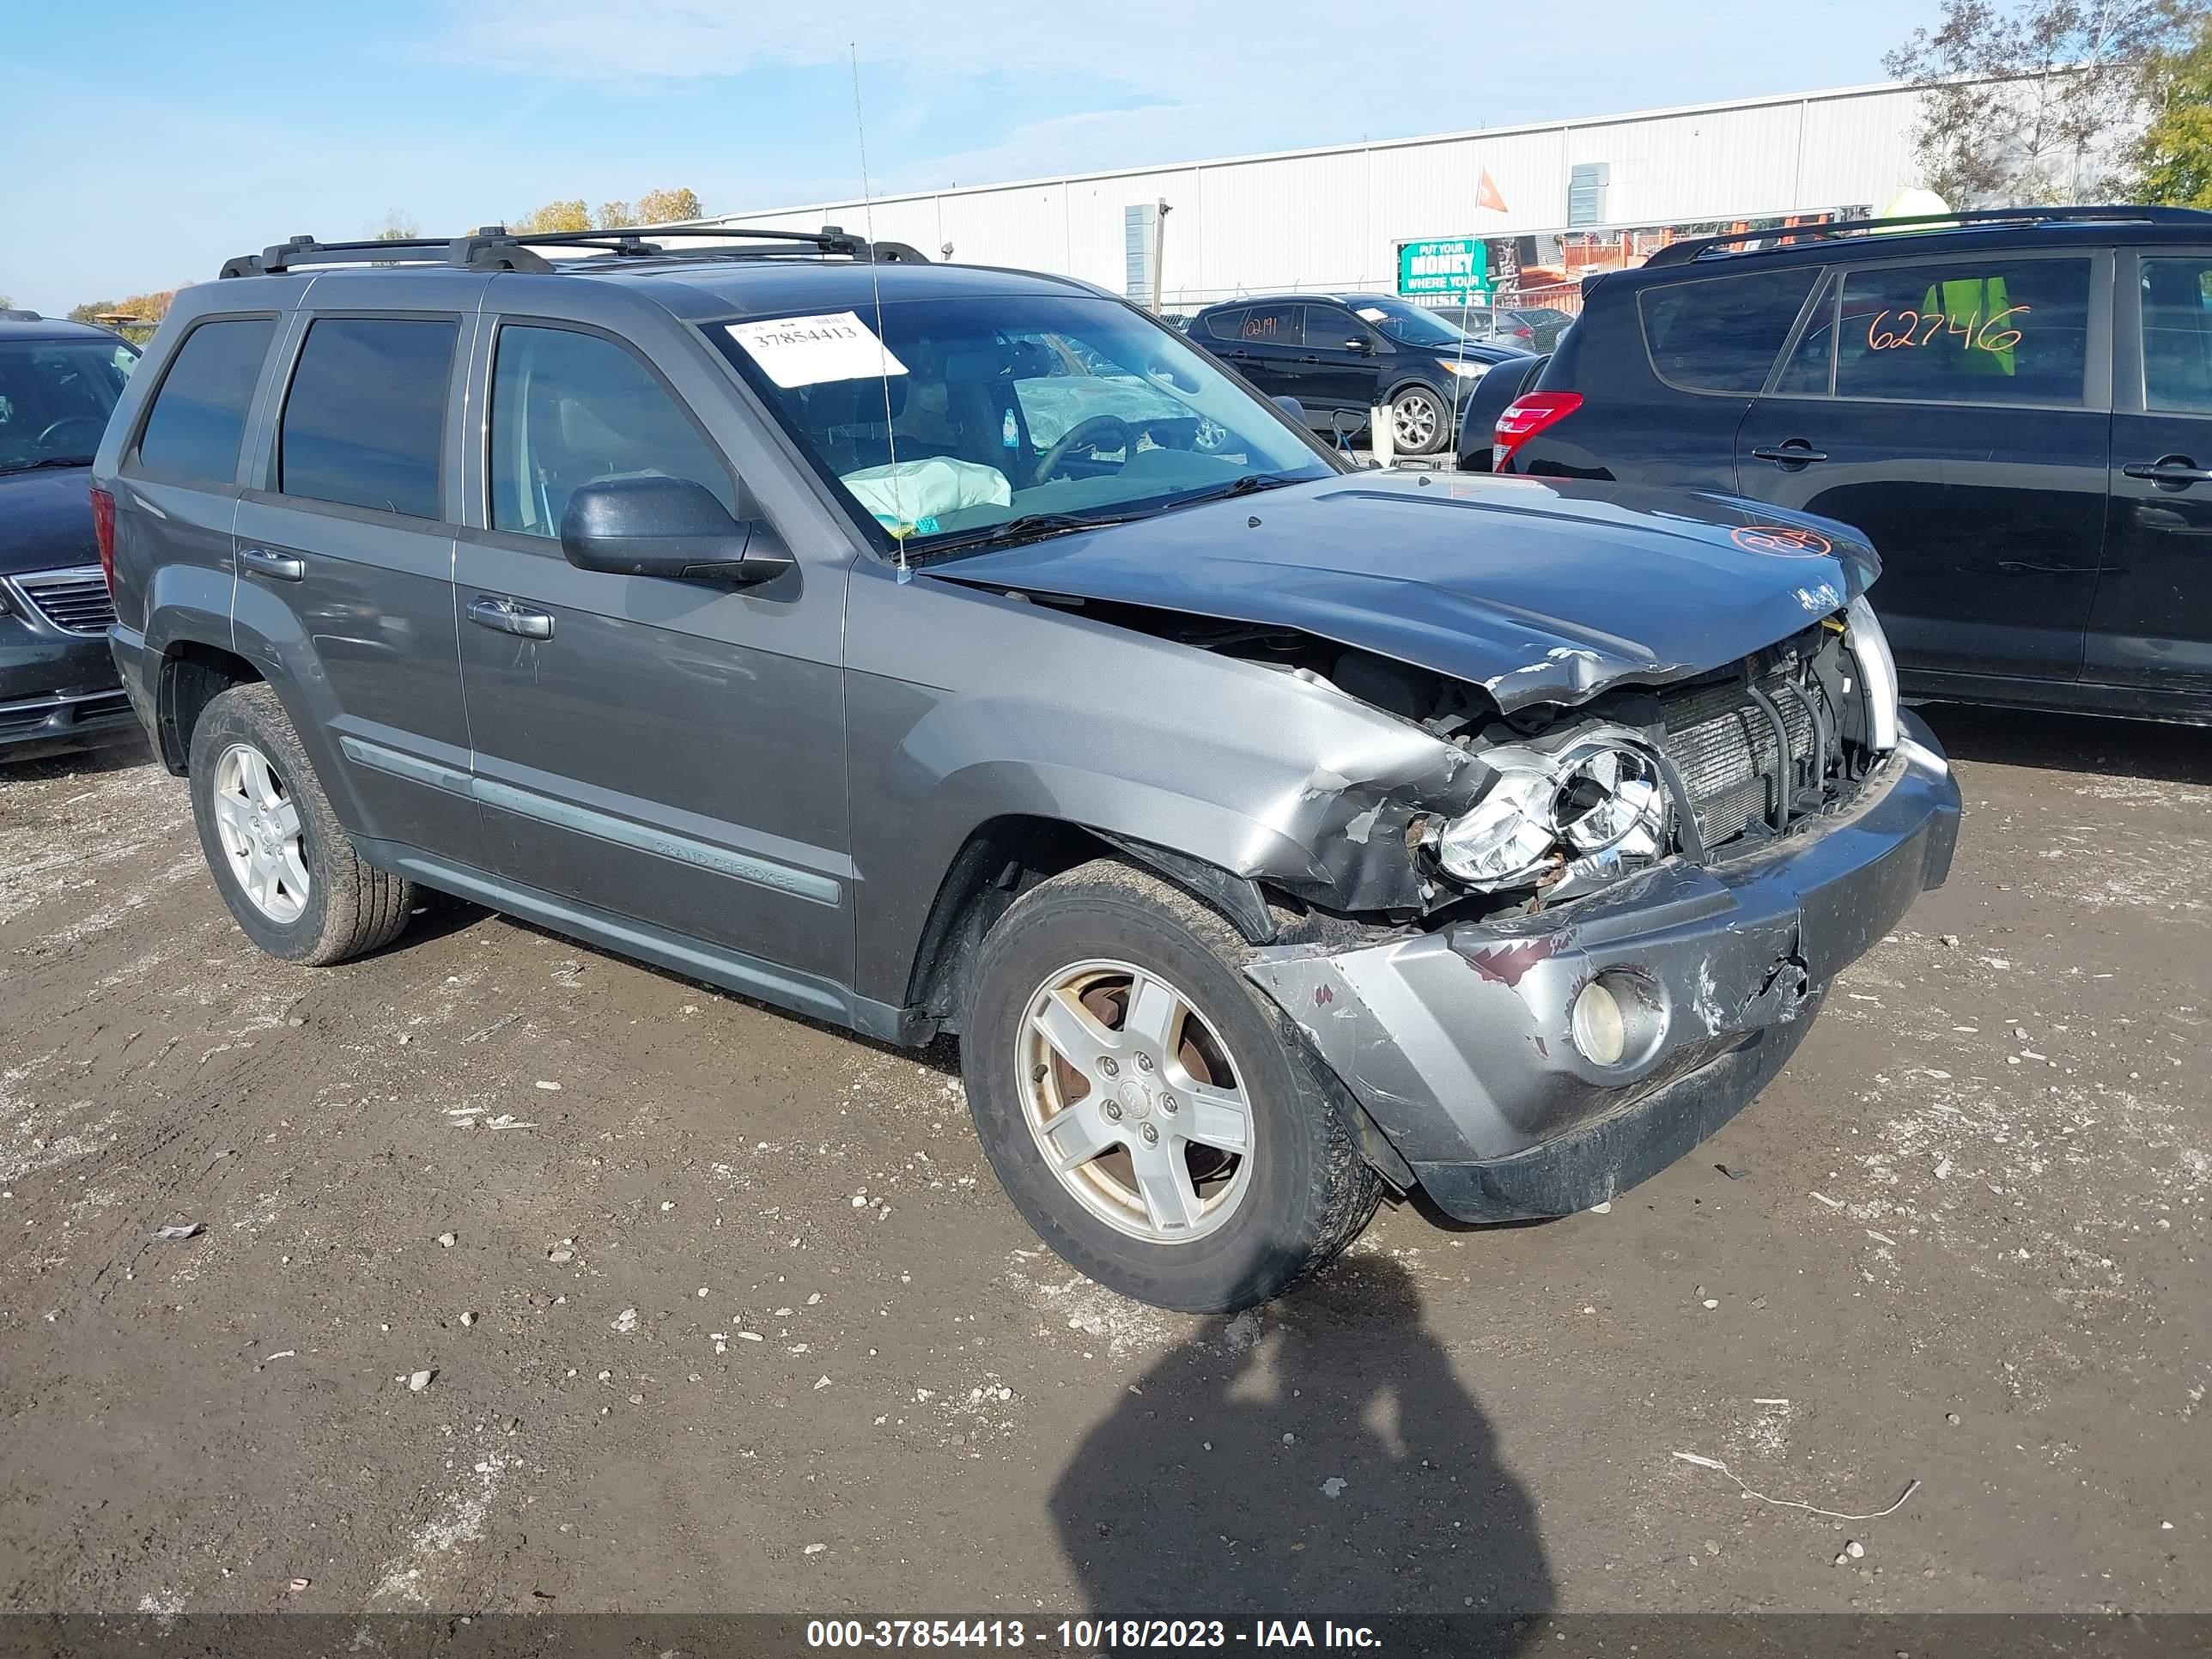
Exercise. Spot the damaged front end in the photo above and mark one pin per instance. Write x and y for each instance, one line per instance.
(1621, 933)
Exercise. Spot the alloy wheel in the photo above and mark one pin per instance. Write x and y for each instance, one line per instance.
(1133, 1101)
(258, 824)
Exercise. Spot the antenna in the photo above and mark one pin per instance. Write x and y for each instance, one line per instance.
(905, 527)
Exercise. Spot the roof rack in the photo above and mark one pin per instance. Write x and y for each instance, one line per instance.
(495, 247)
(1699, 248)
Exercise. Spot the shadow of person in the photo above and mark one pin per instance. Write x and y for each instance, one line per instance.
(1316, 1458)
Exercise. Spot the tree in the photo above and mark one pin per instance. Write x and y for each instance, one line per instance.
(2172, 164)
(135, 319)
(554, 216)
(2019, 102)
(668, 207)
(617, 215)
(397, 227)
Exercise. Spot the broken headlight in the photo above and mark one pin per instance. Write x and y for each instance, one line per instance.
(1575, 811)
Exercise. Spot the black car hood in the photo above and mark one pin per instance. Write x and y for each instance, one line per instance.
(45, 519)
(1537, 591)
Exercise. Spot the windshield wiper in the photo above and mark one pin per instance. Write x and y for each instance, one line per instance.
(1251, 484)
(1029, 527)
(48, 460)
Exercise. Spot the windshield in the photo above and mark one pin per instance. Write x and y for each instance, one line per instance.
(1409, 324)
(55, 398)
(1008, 407)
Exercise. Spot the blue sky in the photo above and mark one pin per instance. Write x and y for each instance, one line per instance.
(141, 152)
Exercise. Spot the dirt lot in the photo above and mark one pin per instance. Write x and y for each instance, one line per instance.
(730, 1316)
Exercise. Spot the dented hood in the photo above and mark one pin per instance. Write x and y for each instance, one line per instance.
(1537, 590)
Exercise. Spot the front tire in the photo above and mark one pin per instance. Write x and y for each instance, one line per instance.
(281, 860)
(1420, 421)
(1154, 1118)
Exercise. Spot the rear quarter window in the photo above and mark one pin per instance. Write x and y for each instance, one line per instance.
(1722, 333)
(193, 431)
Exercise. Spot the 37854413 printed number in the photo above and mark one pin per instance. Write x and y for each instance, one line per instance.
(916, 1634)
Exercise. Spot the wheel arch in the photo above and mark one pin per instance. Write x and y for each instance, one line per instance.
(1006, 856)
(192, 675)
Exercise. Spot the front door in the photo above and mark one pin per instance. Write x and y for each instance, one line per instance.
(1338, 363)
(345, 557)
(2152, 625)
(1953, 410)
(665, 753)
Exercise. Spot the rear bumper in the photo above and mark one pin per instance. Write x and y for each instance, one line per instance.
(1459, 1044)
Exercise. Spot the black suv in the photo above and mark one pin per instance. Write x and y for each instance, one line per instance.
(2015, 407)
(1341, 354)
(58, 382)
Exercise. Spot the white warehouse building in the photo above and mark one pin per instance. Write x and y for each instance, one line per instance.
(1546, 202)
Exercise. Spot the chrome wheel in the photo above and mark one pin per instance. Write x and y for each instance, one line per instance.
(1414, 419)
(258, 824)
(1134, 1103)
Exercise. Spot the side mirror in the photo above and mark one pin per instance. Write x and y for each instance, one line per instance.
(667, 527)
(1363, 346)
(1291, 407)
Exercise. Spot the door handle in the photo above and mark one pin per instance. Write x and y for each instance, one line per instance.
(506, 617)
(2169, 472)
(1310, 357)
(1795, 452)
(282, 567)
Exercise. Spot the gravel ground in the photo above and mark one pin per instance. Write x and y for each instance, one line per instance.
(722, 1310)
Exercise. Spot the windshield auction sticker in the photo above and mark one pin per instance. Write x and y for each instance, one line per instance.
(800, 351)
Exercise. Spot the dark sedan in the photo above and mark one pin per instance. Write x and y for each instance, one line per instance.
(58, 381)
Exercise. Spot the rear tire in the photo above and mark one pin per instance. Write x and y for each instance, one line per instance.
(281, 860)
(1203, 1213)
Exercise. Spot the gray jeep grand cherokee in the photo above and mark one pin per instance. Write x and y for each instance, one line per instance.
(1273, 836)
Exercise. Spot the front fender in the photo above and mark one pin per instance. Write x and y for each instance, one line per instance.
(979, 707)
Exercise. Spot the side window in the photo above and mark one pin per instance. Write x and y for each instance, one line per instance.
(1965, 331)
(365, 421)
(1330, 326)
(1722, 333)
(2177, 334)
(570, 408)
(1227, 325)
(199, 419)
(1271, 326)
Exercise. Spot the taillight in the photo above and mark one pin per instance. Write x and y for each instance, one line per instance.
(103, 532)
(1524, 417)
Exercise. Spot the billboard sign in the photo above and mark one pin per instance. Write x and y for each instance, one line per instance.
(1455, 268)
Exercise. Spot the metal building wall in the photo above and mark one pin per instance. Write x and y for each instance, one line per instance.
(1332, 217)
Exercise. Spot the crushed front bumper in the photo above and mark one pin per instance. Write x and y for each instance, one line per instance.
(1459, 1044)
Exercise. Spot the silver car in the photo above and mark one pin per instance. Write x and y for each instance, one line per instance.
(1274, 837)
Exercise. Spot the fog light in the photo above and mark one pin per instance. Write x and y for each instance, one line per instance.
(1599, 1030)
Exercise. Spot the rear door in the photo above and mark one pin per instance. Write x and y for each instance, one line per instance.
(345, 552)
(1956, 410)
(2151, 627)
(1270, 341)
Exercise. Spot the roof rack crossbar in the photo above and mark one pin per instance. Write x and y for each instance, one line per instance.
(1698, 247)
(495, 247)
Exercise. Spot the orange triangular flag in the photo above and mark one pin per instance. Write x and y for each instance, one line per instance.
(1485, 193)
